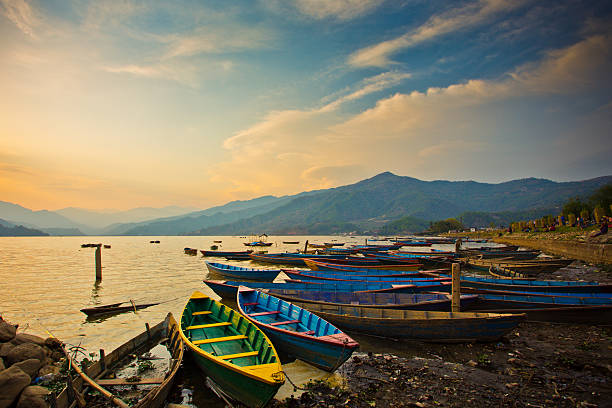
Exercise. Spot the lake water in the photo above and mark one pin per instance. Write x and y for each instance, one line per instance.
(45, 281)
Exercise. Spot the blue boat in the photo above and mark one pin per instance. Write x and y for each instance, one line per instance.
(313, 276)
(434, 273)
(405, 301)
(228, 289)
(296, 331)
(524, 285)
(238, 272)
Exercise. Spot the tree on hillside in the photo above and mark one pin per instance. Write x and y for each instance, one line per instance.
(602, 198)
(446, 225)
(575, 206)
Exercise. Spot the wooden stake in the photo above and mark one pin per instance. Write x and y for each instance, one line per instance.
(456, 293)
(98, 263)
(306, 247)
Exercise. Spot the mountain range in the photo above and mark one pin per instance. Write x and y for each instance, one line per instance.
(382, 203)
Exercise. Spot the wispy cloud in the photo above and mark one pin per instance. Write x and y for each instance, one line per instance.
(215, 40)
(21, 14)
(472, 14)
(339, 9)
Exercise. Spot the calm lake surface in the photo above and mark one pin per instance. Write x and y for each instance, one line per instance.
(45, 281)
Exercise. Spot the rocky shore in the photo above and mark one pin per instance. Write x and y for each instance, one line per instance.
(25, 361)
(536, 365)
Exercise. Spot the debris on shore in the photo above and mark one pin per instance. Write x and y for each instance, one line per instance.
(537, 365)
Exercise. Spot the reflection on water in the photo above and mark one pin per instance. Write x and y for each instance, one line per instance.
(45, 281)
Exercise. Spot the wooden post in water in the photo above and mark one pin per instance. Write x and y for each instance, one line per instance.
(456, 288)
(99, 263)
(306, 247)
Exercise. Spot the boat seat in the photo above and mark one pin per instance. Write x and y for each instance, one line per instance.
(204, 326)
(219, 339)
(203, 312)
(308, 332)
(264, 313)
(250, 304)
(284, 322)
(239, 355)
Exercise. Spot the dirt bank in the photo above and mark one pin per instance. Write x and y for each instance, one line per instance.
(536, 365)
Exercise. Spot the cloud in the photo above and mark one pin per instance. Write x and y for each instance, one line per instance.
(471, 125)
(21, 14)
(339, 9)
(215, 40)
(472, 14)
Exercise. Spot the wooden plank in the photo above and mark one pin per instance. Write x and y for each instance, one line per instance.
(284, 322)
(264, 313)
(204, 326)
(231, 356)
(203, 312)
(124, 381)
(250, 304)
(219, 339)
(308, 332)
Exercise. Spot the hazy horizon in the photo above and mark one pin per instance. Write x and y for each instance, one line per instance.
(121, 105)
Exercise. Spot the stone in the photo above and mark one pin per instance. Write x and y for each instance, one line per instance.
(7, 331)
(12, 381)
(29, 366)
(49, 369)
(53, 343)
(22, 338)
(34, 397)
(25, 351)
(5, 348)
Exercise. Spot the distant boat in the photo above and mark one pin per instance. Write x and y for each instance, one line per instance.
(232, 351)
(258, 243)
(225, 253)
(237, 272)
(115, 308)
(291, 242)
(191, 251)
(296, 331)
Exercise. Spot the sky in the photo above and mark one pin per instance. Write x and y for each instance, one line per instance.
(129, 103)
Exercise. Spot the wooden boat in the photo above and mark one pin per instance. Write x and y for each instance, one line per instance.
(228, 289)
(237, 272)
(191, 251)
(312, 276)
(415, 243)
(332, 265)
(548, 307)
(319, 246)
(115, 308)
(418, 325)
(406, 301)
(521, 285)
(291, 242)
(364, 272)
(532, 266)
(225, 253)
(237, 356)
(505, 273)
(296, 331)
(514, 255)
(258, 243)
(166, 333)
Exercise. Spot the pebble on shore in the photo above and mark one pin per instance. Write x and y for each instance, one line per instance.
(24, 359)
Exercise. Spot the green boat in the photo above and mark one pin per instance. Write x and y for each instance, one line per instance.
(235, 354)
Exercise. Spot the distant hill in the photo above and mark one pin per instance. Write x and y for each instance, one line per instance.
(7, 229)
(372, 203)
(104, 218)
(64, 232)
(19, 215)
